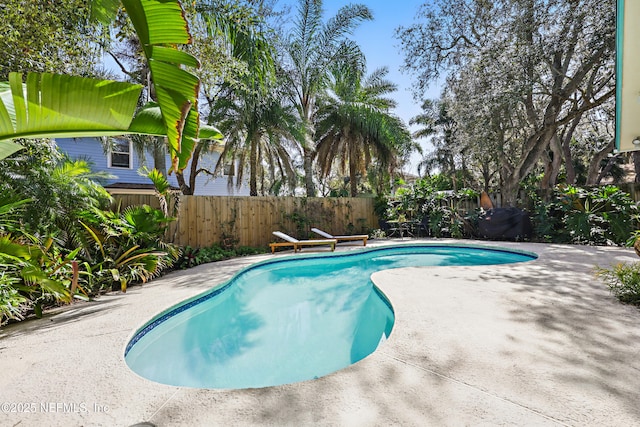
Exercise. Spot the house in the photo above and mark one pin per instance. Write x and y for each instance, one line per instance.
(122, 161)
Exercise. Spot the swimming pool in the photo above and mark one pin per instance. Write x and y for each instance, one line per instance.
(286, 320)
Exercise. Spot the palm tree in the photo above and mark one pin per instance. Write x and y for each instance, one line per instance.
(436, 123)
(261, 133)
(310, 48)
(235, 35)
(355, 124)
(260, 128)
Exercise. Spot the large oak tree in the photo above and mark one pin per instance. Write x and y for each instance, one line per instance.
(524, 68)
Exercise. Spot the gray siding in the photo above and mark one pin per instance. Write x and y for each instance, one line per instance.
(91, 149)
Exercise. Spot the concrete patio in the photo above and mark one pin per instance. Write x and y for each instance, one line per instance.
(537, 343)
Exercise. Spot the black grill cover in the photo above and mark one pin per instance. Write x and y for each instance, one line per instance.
(505, 224)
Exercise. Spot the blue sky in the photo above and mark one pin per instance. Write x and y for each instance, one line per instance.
(376, 38)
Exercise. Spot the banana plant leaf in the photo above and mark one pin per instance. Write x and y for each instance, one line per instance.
(62, 106)
(161, 26)
(52, 105)
(149, 121)
(7, 148)
(66, 106)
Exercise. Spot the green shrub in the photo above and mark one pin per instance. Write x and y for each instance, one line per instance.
(596, 216)
(34, 276)
(33, 273)
(126, 247)
(56, 242)
(249, 250)
(189, 258)
(192, 257)
(446, 216)
(380, 206)
(11, 301)
(623, 281)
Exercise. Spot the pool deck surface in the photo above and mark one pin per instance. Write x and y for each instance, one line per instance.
(530, 344)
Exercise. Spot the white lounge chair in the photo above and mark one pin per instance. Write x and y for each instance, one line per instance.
(298, 244)
(351, 238)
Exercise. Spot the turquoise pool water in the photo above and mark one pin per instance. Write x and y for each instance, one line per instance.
(286, 320)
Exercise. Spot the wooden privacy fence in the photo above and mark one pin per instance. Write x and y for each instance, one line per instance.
(249, 221)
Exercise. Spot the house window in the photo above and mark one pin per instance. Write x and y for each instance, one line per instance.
(120, 154)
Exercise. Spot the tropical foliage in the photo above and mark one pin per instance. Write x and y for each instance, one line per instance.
(603, 215)
(623, 280)
(57, 243)
(37, 274)
(599, 215)
(435, 210)
(58, 105)
(355, 124)
(126, 247)
(115, 250)
(33, 272)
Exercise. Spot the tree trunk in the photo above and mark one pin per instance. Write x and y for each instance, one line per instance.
(195, 160)
(636, 165)
(308, 172)
(552, 168)
(186, 190)
(566, 149)
(486, 178)
(353, 181)
(160, 155)
(612, 161)
(308, 147)
(594, 166)
(512, 175)
(253, 165)
(548, 165)
(509, 190)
